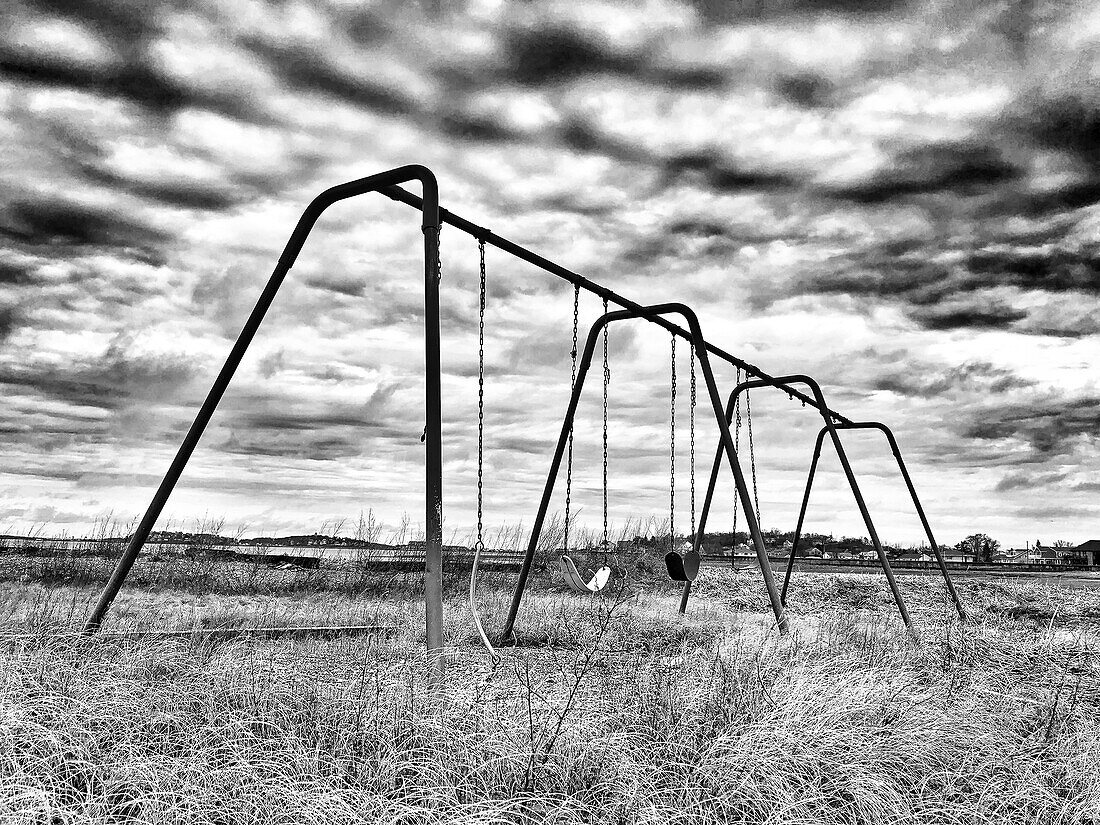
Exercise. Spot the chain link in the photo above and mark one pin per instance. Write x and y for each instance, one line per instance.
(752, 457)
(672, 456)
(692, 431)
(606, 381)
(737, 450)
(439, 253)
(572, 386)
(481, 404)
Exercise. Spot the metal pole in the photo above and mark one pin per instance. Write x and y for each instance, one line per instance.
(640, 311)
(551, 477)
(727, 441)
(847, 467)
(433, 464)
(876, 425)
(802, 514)
(739, 478)
(430, 209)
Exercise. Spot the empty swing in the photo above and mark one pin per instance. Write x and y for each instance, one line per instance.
(681, 568)
(687, 570)
(567, 567)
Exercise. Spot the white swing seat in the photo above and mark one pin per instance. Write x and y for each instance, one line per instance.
(576, 581)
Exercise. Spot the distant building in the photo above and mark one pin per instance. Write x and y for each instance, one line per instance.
(1012, 555)
(1089, 552)
(954, 554)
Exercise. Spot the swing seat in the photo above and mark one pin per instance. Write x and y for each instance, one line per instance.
(683, 568)
(576, 581)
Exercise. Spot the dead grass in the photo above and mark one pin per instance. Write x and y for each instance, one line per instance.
(623, 712)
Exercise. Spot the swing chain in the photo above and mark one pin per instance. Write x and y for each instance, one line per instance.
(606, 381)
(439, 253)
(572, 384)
(692, 431)
(672, 455)
(481, 403)
(737, 450)
(752, 458)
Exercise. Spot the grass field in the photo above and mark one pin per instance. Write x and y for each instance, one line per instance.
(614, 710)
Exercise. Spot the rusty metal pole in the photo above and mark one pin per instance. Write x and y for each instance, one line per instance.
(815, 390)
(508, 632)
(739, 478)
(802, 513)
(430, 211)
(783, 383)
(924, 521)
(433, 461)
(696, 337)
(877, 425)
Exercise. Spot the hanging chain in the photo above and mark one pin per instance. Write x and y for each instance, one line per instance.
(692, 431)
(672, 456)
(481, 403)
(572, 386)
(752, 457)
(439, 253)
(606, 381)
(737, 450)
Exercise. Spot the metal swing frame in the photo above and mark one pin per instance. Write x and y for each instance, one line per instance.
(830, 428)
(700, 352)
(433, 216)
(892, 441)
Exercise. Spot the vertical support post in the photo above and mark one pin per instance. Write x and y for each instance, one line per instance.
(430, 220)
(433, 461)
(802, 514)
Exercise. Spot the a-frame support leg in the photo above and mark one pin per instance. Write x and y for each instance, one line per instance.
(726, 445)
(875, 425)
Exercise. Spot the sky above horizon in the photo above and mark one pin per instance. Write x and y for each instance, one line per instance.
(899, 199)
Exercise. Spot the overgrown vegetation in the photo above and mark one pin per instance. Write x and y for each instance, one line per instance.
(617, 711)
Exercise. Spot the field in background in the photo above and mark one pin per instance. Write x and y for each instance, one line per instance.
(614, 710)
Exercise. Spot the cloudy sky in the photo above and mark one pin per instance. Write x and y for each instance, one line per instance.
(897, 198)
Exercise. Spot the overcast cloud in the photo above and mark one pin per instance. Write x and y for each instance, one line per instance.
(898, 198)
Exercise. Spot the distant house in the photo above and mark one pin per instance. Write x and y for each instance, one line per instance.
(1012, 556)
(1049, 556)
(954, 554)
(1089, 552)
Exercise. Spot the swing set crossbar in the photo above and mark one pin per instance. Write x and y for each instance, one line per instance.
(490, 238)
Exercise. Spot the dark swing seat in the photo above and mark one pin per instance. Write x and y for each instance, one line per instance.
(683, 568)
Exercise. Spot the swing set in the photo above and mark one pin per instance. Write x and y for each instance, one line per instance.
(433, 216)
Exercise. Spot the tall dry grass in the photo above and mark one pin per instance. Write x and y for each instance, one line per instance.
(620, 712)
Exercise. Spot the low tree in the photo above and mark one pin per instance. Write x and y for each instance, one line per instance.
(981, 546)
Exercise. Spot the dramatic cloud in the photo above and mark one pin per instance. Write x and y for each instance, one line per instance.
(899, 198)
